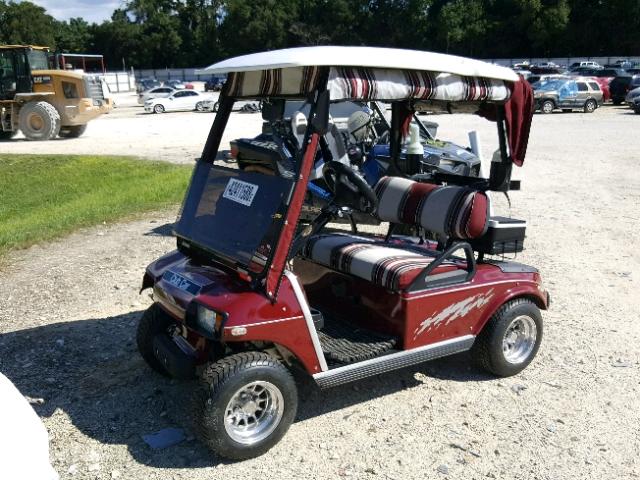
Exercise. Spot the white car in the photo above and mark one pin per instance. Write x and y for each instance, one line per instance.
(179, 100)
(156, 92)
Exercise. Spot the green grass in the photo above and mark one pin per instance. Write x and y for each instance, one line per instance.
(46, 196)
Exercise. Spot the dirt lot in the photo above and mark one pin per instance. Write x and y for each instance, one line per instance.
(68, 312)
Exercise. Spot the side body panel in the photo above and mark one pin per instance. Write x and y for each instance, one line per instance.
(420, 318)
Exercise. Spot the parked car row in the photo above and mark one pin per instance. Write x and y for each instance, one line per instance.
(145, 84)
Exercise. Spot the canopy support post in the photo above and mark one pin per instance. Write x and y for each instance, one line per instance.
(500, 176)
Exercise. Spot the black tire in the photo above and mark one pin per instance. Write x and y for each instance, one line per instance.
(547, 106)
(39, 121)
(488, 347)
(216, 106)
(221, 381)
(617, 102)
(590, 106)
(153, 321)
(72, 131)
(7, 135)
(199, 107)
(158, 109)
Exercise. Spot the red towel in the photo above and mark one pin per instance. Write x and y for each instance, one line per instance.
(518, 113)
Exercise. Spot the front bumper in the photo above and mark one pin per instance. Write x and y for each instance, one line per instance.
(84, 111)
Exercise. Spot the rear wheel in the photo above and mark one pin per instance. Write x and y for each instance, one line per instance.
(200, 107)
(547, 106)
(72, 131)
(39, 121)
(158, 109)
(590, 106)
(511, 338)
(154, 321)
(245, 405)
(216, 106)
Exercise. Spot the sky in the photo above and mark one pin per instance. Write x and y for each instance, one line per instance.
(91, 10)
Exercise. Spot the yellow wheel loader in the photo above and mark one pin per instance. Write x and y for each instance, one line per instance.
(42, 102)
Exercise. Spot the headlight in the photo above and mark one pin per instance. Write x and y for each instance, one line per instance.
(205, 321)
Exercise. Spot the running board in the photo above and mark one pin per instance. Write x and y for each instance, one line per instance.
(393, 361)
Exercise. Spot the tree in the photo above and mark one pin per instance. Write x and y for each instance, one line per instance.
(118, 39)
(73, 36)
(26, 23)
(461, 27)
(257, 25)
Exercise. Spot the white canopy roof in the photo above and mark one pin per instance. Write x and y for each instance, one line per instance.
(387, 58)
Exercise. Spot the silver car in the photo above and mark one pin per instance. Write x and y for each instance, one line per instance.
(156, 92)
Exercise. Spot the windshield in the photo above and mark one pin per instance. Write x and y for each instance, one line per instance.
(549, 85)
(38, 59)
(235, 214)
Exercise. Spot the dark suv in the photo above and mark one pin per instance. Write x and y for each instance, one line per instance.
(620, 86)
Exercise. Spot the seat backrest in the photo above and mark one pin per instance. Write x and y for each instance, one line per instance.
(457, 212)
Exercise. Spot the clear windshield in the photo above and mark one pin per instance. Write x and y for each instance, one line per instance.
(235, 206)
(234, 214)
(38, 60)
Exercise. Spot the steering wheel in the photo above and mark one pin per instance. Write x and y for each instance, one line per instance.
(349, 188)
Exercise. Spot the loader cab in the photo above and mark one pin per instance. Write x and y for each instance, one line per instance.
(16, 65)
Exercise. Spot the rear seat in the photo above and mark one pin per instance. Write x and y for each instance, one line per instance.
(459, 213)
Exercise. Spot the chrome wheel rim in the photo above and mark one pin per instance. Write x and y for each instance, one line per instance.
(547, 107)
(254, 412)
(590, 107)
(519, 339)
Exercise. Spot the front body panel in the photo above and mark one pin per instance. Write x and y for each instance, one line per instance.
(178, 281)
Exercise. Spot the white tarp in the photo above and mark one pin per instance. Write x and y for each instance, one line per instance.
(24, 442)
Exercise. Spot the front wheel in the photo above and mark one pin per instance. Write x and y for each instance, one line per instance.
(590, 106)
(245, 404)
(200, 107)
(154, 321)
(158, 109)
(548, 106)
(511, 338)
(39, 120)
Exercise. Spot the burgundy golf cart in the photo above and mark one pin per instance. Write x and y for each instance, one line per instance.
(251, 292)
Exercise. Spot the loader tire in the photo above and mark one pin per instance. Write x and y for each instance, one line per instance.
(39, 121)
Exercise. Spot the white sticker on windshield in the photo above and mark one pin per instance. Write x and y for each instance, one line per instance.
(241, 192)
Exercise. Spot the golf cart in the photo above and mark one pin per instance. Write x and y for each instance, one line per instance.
(251, 294)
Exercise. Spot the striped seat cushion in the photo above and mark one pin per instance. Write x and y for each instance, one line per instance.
(457, 212)
(390, 265)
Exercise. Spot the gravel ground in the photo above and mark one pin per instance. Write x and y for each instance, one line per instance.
(68, 312)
